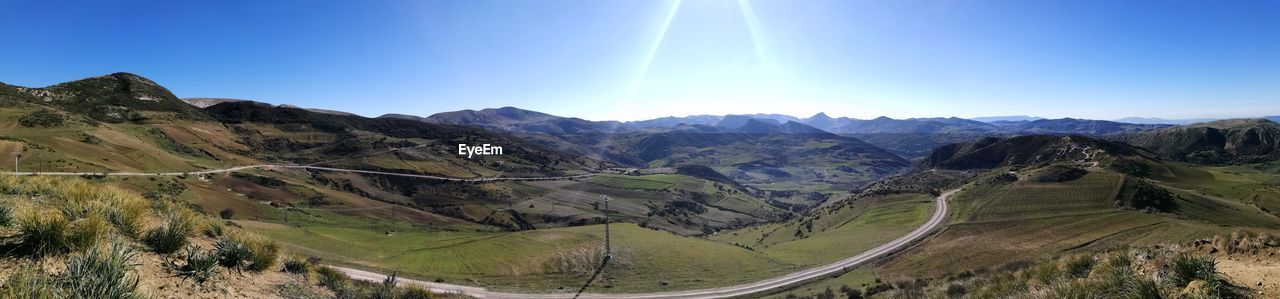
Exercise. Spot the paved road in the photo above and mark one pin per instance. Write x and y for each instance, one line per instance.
(287, 166)
(939, 215)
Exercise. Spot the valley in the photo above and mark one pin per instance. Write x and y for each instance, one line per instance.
(785, 206)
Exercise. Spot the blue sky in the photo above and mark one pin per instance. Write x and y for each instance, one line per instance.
(630, 60)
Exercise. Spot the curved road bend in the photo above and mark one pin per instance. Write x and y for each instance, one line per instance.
(268, 166)
(936, 220)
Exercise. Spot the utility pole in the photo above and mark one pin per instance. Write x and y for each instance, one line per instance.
(608, 251)
(15, 161)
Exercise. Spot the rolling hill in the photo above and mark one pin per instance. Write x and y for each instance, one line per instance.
(1038, 196)
(1234, 141)
(228, 132)
(758, 150)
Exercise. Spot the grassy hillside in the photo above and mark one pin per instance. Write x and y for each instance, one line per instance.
(1234, 266)
(558, 259)
(1004, 217)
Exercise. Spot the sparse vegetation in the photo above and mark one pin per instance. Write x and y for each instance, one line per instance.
(6, 216)
(67, 219)
(1179, 272)
(296, 265)
(198, 265)
(102, 274)
(171, 236)
(232, 254)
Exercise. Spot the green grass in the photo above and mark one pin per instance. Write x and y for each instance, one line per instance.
(521, 259)
(999, 223)
(857, 278)
(879, 224)
(649, 182)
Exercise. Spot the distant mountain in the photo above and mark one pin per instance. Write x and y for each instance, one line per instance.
(206, 102)
(409, 117)
(1083, 126)
(758, 152)
(754, 149)
(737, 121)
(780, 118)
(671, 121)
(519, 120)
(321, 111)
(1162, 121)
(821, 121)
(768, 126)
(911, 125)
(1218, 142)
(988, 119)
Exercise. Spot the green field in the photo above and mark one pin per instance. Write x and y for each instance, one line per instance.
(860, 226)
(648, 182)
(548, 260)
(542, 260)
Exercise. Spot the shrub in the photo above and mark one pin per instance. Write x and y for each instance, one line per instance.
(127, 214)
(335, 281)
(41, 118)
(414, 292)
(227, 213)
(232, 254)
(43, 233)
(955, 290)
(86, 233)
(263, 253)
(1079, 266)
(6, 216)
(1046, 273)
(1115, 274)
(1072, 289)
(387, 289)
(102, 274)
(171, 236)
(1144, 288)
(197, 265)
(853, 293)
(215, 230)
(77, 199)
(1187, 268)
(330, 277)
(296, 265)
(30, 282)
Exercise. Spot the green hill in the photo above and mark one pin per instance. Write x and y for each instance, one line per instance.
(1234, 141)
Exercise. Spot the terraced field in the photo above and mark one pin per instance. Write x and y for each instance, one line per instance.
(1093, 193)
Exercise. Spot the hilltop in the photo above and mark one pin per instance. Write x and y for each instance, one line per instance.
(992, 152)
(1232, 141)
(114, 98)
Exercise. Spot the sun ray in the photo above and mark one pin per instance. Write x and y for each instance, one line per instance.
(647, 61)
(757, 38)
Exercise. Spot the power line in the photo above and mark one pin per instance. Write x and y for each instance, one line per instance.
(608, 251)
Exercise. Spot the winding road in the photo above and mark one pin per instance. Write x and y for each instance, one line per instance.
(939, 215)
(798, 277)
